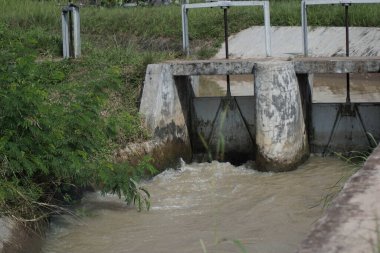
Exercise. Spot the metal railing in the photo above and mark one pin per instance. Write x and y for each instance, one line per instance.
(345, 3)
(224, 5)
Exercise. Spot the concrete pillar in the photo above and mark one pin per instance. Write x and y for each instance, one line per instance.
(165, 109)
(281, 136)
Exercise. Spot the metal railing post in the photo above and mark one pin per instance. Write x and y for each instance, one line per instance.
(268, 43)
(65, 34)
(185, 30)
(226, 4)
(346, 21)
(226, 47)
(304, 28)
(76, 32)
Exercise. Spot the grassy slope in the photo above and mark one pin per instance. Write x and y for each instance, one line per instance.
(117, 44)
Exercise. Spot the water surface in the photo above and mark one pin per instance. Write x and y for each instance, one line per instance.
(210, 202)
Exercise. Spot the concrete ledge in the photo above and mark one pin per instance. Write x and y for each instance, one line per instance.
(352, 223)
(302, 65)
(165, 154)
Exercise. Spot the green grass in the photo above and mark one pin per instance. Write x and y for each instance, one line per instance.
(61, 120)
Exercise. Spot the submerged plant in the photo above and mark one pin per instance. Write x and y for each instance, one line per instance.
(219, 121)
(358, 158)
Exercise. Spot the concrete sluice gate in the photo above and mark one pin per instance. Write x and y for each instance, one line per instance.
(277, 127)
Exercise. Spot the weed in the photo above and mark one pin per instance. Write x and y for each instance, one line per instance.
(355, 160)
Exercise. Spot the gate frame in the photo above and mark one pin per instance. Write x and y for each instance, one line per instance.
(225, 4)
(304, 5)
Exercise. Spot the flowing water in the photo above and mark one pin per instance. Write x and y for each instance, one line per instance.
(204, 207)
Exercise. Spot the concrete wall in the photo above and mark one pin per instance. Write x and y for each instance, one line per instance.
(352, 223)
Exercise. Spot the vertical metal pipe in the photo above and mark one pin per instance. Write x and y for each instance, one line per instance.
(347, 30)
(348, 98)
(65, 34)
(183, 27)
(304, 28)
(226, 47)
(76, 31)
(268, 44)
(226, 31)
(185, 31)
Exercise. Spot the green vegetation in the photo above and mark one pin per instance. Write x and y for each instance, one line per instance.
(355, 160)
(62, 120)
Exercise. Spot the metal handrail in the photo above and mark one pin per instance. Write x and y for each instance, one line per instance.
(225, 4)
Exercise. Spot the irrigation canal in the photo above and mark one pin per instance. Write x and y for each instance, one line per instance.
(213, 202)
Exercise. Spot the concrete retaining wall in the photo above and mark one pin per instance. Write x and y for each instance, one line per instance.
(352, 223)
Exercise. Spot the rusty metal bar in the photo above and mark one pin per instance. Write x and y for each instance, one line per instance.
(226, 47)
(348, 97)
(305, 3)
(225, 4)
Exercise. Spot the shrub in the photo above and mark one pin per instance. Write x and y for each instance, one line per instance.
(53, 139)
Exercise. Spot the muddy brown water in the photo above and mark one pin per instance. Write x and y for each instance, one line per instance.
(328, 88)
(204, 207)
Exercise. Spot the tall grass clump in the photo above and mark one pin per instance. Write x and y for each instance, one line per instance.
(355, 161)
(54, 137)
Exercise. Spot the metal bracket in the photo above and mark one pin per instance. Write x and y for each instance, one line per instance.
(347, 110)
